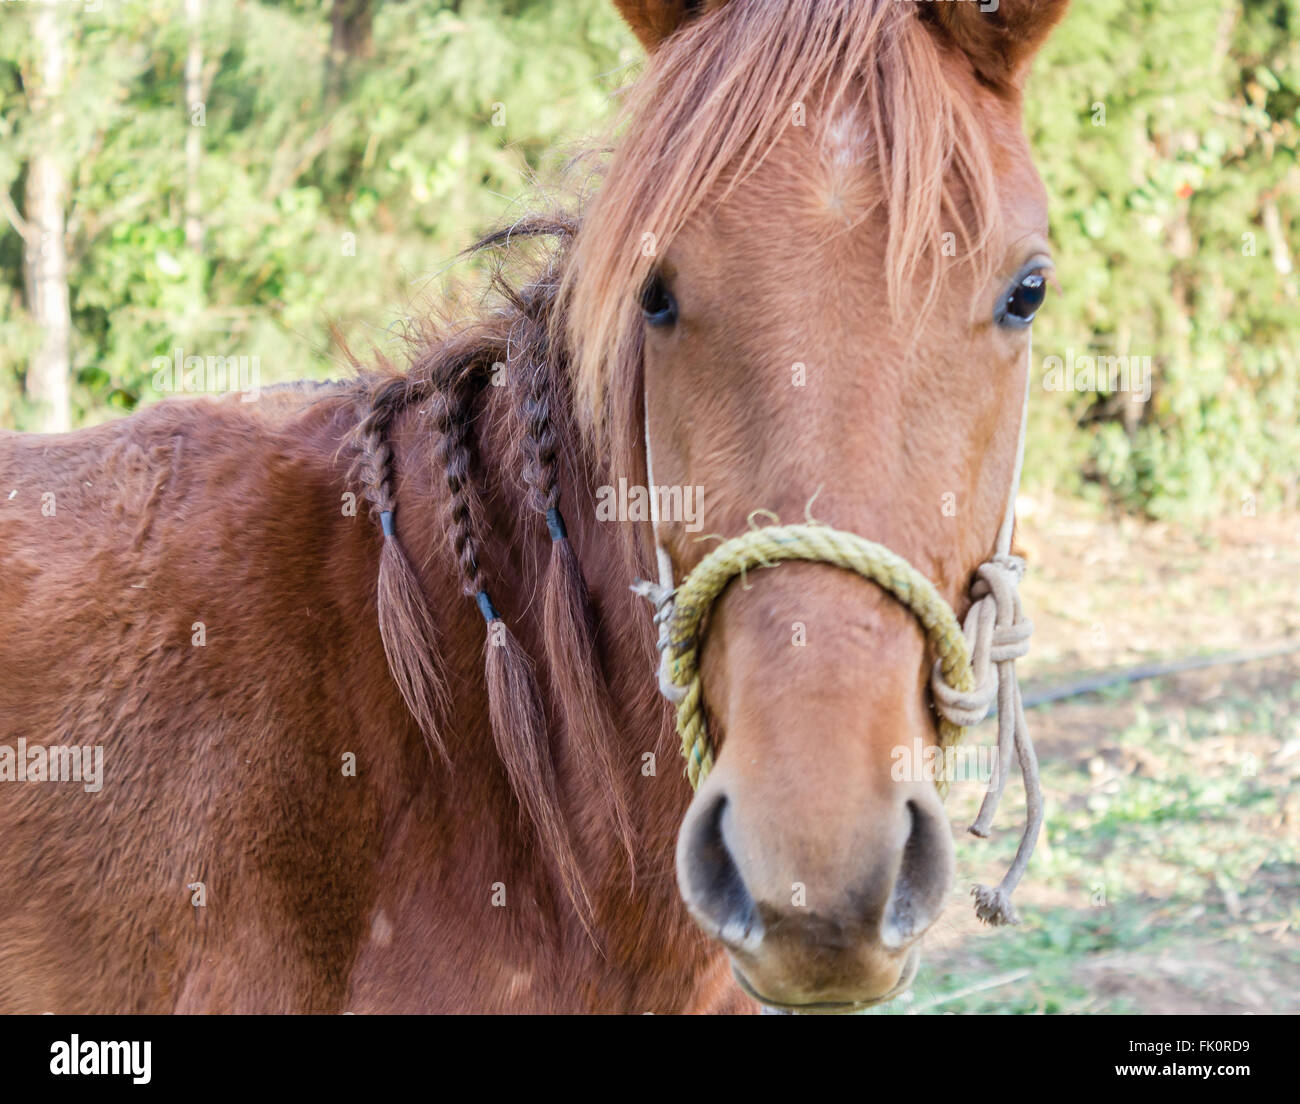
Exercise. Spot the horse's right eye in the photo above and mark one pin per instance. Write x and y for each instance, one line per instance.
(657, 303)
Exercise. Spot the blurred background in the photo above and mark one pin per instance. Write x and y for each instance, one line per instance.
(231, 178)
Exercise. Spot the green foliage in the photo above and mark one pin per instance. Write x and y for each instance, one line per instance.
(1167, 133)
(333, 190)
(338, 188)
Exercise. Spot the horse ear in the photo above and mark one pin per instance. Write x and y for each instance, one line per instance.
(999, 36)
(654, 20)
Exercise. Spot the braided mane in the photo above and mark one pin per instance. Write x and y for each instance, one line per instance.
(450, 377)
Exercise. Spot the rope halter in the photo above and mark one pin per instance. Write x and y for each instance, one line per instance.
(974, 668)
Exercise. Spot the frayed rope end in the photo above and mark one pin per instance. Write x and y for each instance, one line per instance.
(994, 906)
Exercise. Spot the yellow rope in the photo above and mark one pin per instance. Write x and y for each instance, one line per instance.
(767, 546)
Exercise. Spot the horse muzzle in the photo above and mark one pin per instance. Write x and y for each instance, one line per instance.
(815, 920)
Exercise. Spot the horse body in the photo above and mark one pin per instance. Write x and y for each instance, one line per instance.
(196, 600)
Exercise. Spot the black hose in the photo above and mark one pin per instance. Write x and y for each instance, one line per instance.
(1103, 679)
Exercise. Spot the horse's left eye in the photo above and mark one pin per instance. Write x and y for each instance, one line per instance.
(1020, 306)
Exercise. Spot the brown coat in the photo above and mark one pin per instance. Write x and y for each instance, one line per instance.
(224, 762)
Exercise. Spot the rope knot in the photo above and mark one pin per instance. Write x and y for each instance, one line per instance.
(994, 906)
(997, 633)
(662, 598)
(963, 708)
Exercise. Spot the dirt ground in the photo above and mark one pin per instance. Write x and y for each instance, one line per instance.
(1168, 877)
(1111, 593)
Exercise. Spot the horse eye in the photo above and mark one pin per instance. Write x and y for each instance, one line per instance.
(1020, 306)
(658, 304)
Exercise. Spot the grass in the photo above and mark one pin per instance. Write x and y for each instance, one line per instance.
(1168, 878)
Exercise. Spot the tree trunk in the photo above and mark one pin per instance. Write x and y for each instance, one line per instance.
(197, 113)
(350, 30)
(45, 260)
(350, 33)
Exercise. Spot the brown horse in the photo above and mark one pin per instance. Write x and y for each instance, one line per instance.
(327, 785)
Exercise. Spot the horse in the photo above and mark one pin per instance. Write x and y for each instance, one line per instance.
(375, 702)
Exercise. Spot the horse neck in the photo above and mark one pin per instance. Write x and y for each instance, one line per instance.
(514, 548)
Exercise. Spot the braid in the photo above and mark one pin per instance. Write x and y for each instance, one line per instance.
(452, 406)
(540, 445)
(568, 621)
(515, 706)
(374, 464)
(452, 377)
(406, 626)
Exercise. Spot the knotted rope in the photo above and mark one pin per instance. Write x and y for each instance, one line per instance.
(975, 663)
(998, 632)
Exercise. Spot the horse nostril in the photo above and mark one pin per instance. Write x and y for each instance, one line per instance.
(924, 876)
(711, 883)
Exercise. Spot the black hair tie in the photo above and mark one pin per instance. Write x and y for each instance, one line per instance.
(555, 523)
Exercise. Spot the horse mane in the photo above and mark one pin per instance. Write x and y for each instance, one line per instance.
(453, 367)
(713, 101)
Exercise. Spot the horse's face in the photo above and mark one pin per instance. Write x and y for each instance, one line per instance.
(780, 377)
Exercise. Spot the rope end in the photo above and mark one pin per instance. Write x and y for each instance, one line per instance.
(654, 593)
(994, 906)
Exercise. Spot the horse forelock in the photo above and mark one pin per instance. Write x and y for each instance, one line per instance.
(714, 101)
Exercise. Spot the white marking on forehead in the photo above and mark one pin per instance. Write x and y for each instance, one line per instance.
(842, 184)
(845, 139)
